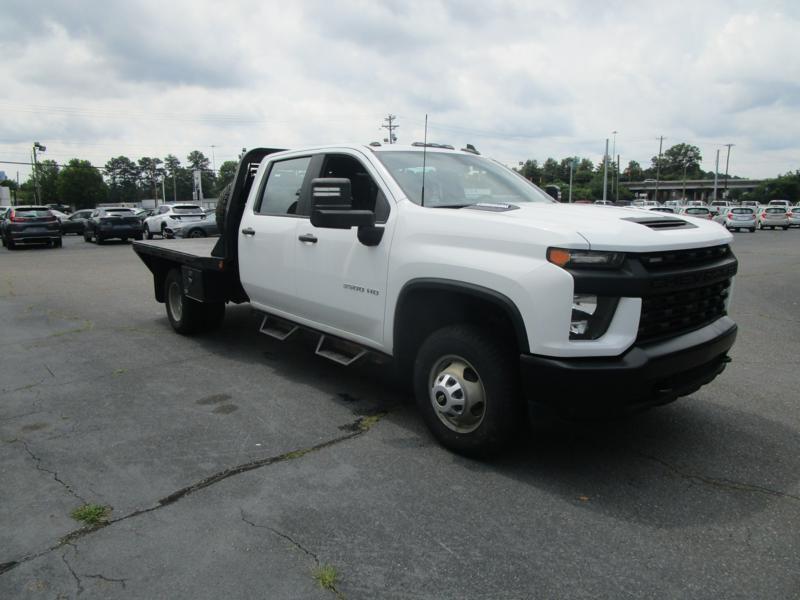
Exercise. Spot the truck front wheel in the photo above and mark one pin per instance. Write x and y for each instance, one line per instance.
(189, 316)
(466, 386)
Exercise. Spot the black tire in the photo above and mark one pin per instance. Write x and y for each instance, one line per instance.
(196, 233)
(98, 240)
(752, 230)
(59, 243)
(10, 244)
(222, 204)
(785, 228)
(146, 231)
(490, 364)
(189, 316)
(87, 237)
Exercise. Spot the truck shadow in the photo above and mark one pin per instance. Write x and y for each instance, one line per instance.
(695, 462)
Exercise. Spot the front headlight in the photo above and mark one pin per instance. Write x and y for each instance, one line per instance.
(591, 316)
(585, 259)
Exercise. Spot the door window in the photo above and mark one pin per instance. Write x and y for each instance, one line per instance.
(282, 191)
(366, 193)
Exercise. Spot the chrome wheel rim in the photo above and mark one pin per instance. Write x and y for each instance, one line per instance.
(174, 297)
(457, 394)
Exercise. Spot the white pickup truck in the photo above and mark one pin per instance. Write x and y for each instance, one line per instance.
(485, 292)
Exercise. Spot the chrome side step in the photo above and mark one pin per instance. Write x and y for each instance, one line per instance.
(276, 327)
(339, 351)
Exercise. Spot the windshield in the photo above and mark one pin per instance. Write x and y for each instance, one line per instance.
(454, 180)
(697, 211)
(119, 211)
(742, 211)
(32, 211)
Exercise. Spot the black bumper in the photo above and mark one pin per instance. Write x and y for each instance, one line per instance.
(646, 375)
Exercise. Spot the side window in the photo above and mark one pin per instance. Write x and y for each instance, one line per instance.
(367, 195)
(282, 191)
(163, 210)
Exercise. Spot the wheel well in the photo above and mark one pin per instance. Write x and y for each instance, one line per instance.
(424, 309)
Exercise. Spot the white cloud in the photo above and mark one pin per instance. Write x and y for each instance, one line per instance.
(519, 79)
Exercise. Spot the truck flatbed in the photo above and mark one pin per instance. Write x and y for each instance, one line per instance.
(193, 252)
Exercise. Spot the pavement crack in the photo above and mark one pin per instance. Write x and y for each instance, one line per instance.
(294, 543)
(75, 576)
(121, 581)
(39, 467)
(359, 427)
(717, 482)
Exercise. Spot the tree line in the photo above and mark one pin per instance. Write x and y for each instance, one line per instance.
(80, 184)
(587, 177)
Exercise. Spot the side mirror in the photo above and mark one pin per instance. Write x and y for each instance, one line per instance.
(332, 205)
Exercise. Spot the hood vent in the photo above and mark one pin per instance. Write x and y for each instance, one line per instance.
(661, 222)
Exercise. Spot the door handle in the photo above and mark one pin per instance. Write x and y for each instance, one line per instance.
(248, 231)
(308, 238)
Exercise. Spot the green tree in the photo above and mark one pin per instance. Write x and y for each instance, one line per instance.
(550, 171)
(81, 185)
(198, 160)
(150, 174)
(675, 158)
(122, 175)
(227, 171)
(531, 170)
(633, 172)
(47, 180)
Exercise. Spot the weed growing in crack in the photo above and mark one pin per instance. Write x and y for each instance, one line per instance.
(325, 576)
(91, 514)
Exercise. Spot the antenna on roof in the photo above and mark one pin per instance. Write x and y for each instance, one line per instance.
(424, 154)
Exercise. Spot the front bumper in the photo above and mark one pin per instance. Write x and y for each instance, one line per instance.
(645, 375)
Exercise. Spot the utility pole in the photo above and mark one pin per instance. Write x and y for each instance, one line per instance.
(389, 120)
(658, 164)
(572, 163)
(213, 160)
(605, 173)
(727, 160)
(617, 188)
(36, 191)
(716, 172)
(613, 154)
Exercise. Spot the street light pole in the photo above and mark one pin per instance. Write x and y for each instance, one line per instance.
(727, 160)
(689, 157)
(36, 191)
(571, 167)
(716, 172)
(613, 154)
(605, 173)
(658, 165)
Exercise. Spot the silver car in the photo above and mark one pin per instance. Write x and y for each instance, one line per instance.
(740, 217)
(772, 217)
(794, 216)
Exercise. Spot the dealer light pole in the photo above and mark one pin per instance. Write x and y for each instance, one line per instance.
(605, 173)
(36, 191)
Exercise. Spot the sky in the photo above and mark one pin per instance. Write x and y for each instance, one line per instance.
(518, 79)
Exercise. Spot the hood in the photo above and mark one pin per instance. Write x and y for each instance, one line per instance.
(616, 228)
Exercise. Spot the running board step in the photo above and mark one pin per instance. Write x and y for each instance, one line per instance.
(276, 327)
(339, 351)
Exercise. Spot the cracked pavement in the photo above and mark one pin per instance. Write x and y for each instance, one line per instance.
(235, 465)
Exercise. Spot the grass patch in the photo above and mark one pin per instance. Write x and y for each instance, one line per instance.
(91, 514)
(326, 577)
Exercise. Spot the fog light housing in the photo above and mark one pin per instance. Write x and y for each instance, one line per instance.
(591, 316)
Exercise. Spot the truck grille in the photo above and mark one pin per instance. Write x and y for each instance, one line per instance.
(655, 261)
(671, 314)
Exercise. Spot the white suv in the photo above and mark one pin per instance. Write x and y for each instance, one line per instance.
(171, 215)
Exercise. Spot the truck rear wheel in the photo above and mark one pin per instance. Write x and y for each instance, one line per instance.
(466, 386)
(188, 316)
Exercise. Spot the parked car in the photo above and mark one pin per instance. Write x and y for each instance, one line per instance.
(112, 222)
(171, 215)
(741, 217)
(28, 225)
(719, 207)
(701, 212)
(780, 203)
(76, 222)
(194, 229)
(774, 216)
(794, 216)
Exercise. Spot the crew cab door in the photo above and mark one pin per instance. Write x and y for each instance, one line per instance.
(267, 238)
(341, 282)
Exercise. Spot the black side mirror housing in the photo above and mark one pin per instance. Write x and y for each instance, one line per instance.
(332, 205)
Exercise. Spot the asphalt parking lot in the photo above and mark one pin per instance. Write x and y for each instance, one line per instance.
(235, 466)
